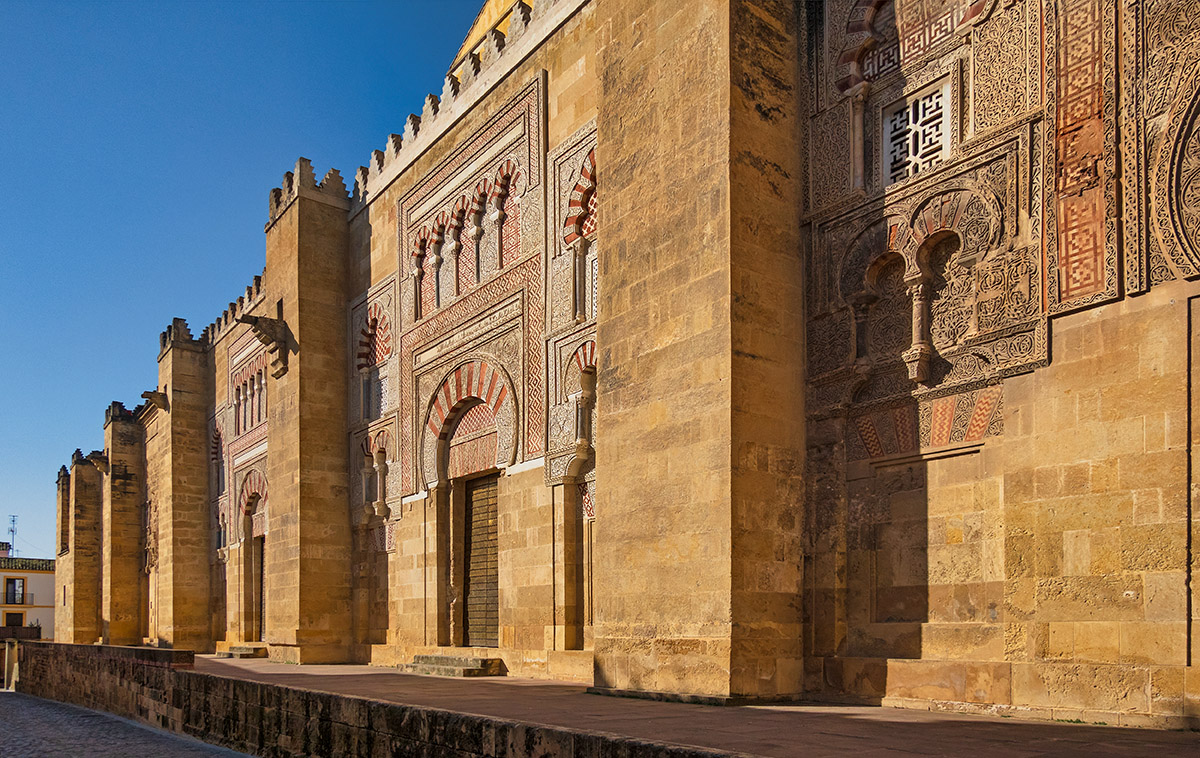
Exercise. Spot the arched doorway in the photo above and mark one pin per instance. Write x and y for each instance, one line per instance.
(470, 437)
(253, 497)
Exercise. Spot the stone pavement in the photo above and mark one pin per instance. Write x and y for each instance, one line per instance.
(31, 727)
(792, 730)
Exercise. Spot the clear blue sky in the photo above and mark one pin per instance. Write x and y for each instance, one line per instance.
(138, 142)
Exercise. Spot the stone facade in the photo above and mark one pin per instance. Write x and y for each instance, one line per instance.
(835, 350)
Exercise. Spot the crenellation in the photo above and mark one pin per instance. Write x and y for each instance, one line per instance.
(518, 22)
(707, 348)
(430, 111)
(493, 45)
(412, 127)
(450, 88)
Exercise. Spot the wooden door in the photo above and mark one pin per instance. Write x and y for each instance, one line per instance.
(481, 591)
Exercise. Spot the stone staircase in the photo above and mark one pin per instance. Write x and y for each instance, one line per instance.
(454, 665)
(244, 651)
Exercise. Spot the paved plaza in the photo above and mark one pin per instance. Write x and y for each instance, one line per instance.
(799, 730)
(31, 727)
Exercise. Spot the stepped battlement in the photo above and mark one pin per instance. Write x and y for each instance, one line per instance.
(469, 78)
(235, 310)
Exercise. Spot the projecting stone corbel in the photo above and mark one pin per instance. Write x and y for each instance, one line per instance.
(917, 359)
(272, 332)
(156, 398)
(99, 460)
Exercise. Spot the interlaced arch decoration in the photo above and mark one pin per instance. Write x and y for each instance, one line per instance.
(480, 380)
(375, 338)
(888, 235)
(929, 296)
(583, 204)
(921, 26)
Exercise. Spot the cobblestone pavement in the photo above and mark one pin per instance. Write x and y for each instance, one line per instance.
(777, 731)
(31, 727)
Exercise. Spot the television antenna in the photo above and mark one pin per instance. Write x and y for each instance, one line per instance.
(12, 535)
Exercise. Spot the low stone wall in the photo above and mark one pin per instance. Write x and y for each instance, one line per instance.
(157, 687)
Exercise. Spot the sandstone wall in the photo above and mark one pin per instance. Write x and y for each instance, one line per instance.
(998, 507)
(156, 687)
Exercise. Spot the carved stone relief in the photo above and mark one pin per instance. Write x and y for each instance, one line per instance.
(938, 296)
(513, 142)
(481, 379)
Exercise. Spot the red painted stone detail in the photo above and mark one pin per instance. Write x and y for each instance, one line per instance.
(942, 422)
(510, 233)
(585, 355)
(905, 421)
(581, 196)
(1080, 137)
(869, 436)
(472, 456)
(476, 419)
(255, 483)
(375, 339)
(478, 380)
(586, 500)
(985, 408)
(591, 220)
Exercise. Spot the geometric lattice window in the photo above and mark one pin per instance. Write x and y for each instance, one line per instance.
(916, 133)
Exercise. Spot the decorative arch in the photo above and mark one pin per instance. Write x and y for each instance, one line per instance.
(861, 36)
(216, 448)
(585, 355)
(505, 181)
(464, 224)
(966, 210)
(375, 338)
(920, 26)
(476, 382)
(582, 359)
(252, 497)
(890, 235)
(582, 206)
(505, 200)
(372, 444)
(1176, 199)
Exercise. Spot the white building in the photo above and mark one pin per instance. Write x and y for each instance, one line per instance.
(28, 592)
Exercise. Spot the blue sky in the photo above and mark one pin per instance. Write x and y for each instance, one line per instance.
(138, 141)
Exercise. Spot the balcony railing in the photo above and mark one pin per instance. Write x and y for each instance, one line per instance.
(18, 598)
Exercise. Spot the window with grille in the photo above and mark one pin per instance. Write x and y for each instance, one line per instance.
(916, 133)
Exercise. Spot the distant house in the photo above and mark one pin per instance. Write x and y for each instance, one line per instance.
(28, 598)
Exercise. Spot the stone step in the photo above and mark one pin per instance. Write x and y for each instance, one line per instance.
(456, 666)
(426, 669)
(247, 651)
